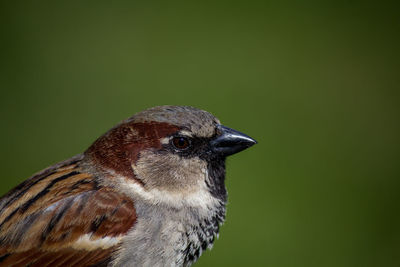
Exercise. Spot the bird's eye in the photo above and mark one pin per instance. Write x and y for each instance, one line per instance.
(180, 142)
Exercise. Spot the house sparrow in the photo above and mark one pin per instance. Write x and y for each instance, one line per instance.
(149, 192)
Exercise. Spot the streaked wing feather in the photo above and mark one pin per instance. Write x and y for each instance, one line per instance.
(62, 257)
(61, 217)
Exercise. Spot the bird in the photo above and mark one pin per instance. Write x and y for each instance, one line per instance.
(149, 192)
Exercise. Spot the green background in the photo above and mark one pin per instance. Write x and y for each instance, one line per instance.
(315, 82)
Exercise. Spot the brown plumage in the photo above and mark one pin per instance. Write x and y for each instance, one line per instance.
(84, 211)
(47, 214)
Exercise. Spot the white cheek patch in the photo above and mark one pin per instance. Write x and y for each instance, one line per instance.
(86, 242)
(199, 198)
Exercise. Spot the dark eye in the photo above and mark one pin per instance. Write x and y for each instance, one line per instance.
(180, 142)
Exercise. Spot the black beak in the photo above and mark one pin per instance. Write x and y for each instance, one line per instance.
(230, 141)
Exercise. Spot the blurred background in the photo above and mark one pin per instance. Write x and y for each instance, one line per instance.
(315, 82)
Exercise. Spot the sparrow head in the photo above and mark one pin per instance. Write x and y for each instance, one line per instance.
(173, 150)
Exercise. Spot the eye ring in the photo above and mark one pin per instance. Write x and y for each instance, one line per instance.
(180, 142)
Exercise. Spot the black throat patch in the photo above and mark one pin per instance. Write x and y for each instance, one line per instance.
(216, 181)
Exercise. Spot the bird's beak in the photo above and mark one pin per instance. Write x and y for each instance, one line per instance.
(230, 141)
